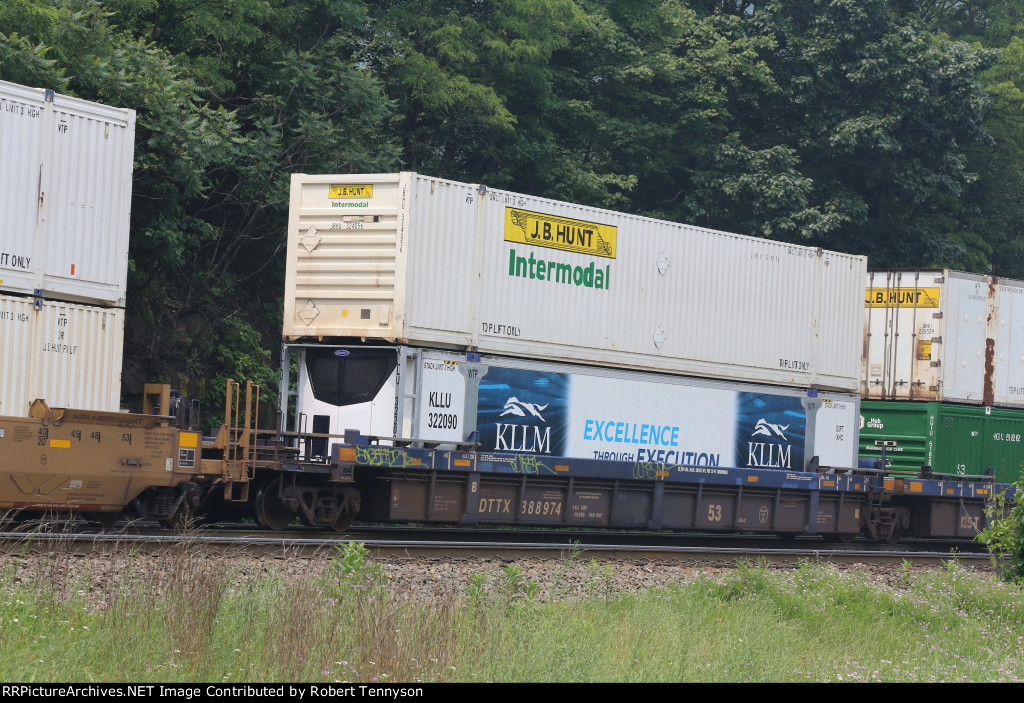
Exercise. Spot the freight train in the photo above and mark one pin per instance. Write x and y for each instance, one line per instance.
(456, 354)
(161, 467)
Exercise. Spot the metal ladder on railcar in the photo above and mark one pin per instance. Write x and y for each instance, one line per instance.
(232, 447)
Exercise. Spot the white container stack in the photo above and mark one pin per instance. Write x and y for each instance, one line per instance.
(414, 260)
(65, 202)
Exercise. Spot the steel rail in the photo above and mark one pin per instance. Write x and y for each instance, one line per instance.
(323, 545)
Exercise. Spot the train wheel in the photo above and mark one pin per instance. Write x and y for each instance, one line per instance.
(345, 519)
(181, 520)
(271, 512)
(896, 535)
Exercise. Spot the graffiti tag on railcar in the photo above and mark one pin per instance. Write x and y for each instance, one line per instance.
(385, 456)
(526, 464)
(649, 471)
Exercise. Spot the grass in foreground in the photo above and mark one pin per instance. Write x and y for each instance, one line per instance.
(196, 623)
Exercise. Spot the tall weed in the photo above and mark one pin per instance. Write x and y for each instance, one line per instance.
(340, 620)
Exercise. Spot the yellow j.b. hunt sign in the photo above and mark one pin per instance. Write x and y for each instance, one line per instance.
(525, 227)
(350, 190)
(902, 298)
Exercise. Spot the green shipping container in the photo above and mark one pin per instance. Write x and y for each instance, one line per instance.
(952, 439)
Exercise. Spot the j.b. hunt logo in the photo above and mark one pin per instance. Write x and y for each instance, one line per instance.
(769, 455)
(537, 229)
(522, 438)
(901, 298)
(563, 234)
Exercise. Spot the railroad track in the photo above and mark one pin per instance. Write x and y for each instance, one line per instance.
(435, 543)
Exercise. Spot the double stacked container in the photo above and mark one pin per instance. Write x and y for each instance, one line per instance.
(433, 267)
(426, 262)
(944, 358)
(65, 201)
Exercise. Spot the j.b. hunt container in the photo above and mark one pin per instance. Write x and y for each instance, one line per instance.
(64, 353)
(407, 259)
(951, 439)
(941, 335)
(65, 196)
(535, 407)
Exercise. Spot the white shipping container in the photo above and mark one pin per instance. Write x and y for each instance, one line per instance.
(65, 195)
(557, 409)
(414, 260)
(66, 354)
(944, 335)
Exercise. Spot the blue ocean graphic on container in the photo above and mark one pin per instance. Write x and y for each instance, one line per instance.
(523, 411)
(770, 432)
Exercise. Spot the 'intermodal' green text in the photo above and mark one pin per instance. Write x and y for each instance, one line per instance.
(590, 276)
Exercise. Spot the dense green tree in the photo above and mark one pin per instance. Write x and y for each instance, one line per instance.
(648, 91)
(993, 205)
(876, 113)
(22, 57)
(472, 82)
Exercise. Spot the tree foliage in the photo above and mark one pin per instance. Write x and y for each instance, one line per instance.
(472, 82)
(868, 128)
(1004, 534)
(650, 94)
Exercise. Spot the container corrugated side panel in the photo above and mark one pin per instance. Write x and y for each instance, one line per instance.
(912, 426)
(341, 276)
(66, 195)
(443, 288)
(841, 315)
(964, 342)
(973, 440)
(1009, 347)
(67, 354)
(1004, 432)
(679, 298)
(87, 207)
(20, 138)
(16, 323)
